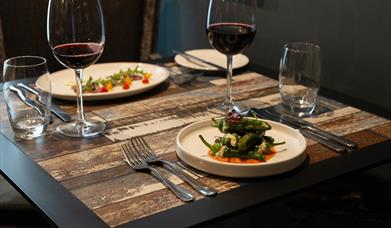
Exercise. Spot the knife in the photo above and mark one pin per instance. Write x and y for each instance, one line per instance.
(310, 134)
(189, 56)
(310, 127)
(28, 102)
(53, 108)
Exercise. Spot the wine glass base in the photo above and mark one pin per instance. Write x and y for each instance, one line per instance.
(223, 108)
(81, 129)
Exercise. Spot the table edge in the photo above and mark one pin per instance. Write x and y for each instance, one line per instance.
(22, 172)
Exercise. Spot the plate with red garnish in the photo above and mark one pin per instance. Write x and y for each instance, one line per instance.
(250, 147)
(105, 81)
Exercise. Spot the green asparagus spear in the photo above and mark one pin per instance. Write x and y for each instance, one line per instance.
(267, 143)
(248, 142)
(214, 148)
(232, 153)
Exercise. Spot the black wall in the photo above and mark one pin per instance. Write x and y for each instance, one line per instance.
(24, 29)
(354, 35)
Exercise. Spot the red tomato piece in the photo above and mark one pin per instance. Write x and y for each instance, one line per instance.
(103, 90)
(125, 86)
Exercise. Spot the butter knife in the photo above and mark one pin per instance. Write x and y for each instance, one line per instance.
(310, 127)
(53, 108)
(189, 56)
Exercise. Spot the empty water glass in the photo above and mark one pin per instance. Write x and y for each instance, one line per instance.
(28, 107)
(299, 77)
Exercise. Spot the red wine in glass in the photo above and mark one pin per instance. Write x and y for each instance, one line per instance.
(78, 55)
(76, 35)
(230, 28)
(230, 38)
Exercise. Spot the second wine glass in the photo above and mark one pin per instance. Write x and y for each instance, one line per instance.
(231, 29)
(76, 35)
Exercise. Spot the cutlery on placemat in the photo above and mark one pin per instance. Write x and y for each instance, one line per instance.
(309, 126)
(136, 162)
(195, 59)
(310, 134)
(150, 157)
(53, 108)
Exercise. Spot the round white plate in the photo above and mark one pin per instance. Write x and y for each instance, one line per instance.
(192, 151)
(213, 56)
(64, 79)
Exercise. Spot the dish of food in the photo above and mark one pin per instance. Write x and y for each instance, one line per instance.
(285, 157)
(244, 140)
(107, 80)
(123, 78)
(213, 56)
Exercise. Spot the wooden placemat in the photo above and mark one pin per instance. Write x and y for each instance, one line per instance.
(94, 169)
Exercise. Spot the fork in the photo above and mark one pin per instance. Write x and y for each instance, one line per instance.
(150, 157)
(134, 160)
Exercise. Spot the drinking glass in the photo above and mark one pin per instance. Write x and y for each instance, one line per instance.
(299, 77)
(28, 112)
(231, 29)
(76, 35)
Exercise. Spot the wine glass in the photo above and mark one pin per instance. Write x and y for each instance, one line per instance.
(76, 35)
(231, 29)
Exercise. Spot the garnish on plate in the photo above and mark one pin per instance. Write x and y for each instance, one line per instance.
(244, 140)
(121, 78)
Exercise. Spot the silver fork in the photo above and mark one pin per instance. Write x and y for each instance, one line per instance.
(137, 163)
(150, 157)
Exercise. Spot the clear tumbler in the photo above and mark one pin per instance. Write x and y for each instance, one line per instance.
(299, 78)
(28, 106)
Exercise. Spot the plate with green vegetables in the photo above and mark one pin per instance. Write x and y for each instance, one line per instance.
(243, 147)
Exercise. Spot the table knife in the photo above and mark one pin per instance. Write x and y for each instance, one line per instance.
(310, 127)
(53, 108)
(189, 56)
(312, 135)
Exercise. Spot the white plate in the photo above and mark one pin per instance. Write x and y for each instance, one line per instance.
(64, 79)
(212, 56)
(192, 151)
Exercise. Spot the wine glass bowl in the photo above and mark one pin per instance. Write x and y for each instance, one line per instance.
(76, 35)
(230, 29)
(230, 38)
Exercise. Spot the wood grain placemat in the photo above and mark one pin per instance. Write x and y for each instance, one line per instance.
(94, 169)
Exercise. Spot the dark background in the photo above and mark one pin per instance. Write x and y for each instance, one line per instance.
(24, 30)
(354, 36)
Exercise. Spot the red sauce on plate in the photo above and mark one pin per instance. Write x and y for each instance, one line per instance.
(244, 161)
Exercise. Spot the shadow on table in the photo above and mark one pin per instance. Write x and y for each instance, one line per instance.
(355, 200)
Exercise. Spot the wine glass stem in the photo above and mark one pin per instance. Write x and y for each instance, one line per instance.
(80, 110)
(228, 103)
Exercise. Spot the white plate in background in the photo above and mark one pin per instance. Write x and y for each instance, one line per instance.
(213, 56)
(63, 80)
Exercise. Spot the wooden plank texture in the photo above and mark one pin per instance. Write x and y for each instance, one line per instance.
(94, 169)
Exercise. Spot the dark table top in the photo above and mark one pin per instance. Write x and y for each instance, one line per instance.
(85, 182)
